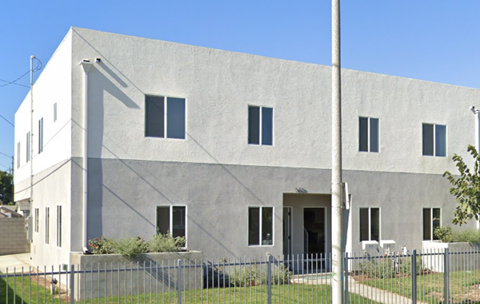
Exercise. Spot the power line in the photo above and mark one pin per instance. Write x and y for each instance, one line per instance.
(6, 155)
(37, 68)
(7, 121)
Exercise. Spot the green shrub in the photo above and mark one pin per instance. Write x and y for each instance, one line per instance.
(447, 235)
(467, 235)
(406, 266)
(380, 269)
(165, 243)
(444, 234)
(129, 247)
(100, 245)
(258, 274)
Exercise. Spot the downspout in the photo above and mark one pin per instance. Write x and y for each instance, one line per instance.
(477, 142)
(31, 131)
(86, 65)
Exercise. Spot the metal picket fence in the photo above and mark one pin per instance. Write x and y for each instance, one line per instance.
(442, 276)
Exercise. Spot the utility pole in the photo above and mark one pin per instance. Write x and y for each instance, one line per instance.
(31, 130)
(337, 210)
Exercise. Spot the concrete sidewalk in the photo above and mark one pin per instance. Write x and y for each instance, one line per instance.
(15, 261)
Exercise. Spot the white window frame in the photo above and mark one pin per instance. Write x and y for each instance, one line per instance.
(165, 116)
(37, 220)
(370, 223)
(369, 138)
(260, 227)
(40, 135)
(431, 222)
(434, 139)
(28, 150)
(170, 217)
(19, 154)
(260, 125)
(55, 108)
(59, 225)
(47, 225)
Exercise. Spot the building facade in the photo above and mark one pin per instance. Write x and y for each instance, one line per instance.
(231, 150)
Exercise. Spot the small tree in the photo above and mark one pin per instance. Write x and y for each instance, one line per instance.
(6, 187)
(466, 188)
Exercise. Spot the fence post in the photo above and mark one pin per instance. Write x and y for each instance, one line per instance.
(72, 284)
(269, 278)
(446, 279)
(414, 276)
(179, 281)
(345, 265)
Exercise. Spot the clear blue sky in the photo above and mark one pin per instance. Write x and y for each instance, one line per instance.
(428, 39)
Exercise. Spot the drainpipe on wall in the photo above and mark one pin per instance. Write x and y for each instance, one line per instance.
(86, 65)
(477, 142)
(477, 139)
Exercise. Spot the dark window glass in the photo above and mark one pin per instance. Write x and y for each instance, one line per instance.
(375, 224)
(178, 221)
(363, 134)
(163, 220)
(267, 226)
(427, 217)
(373, 134)
(436, 221)
(267, 126)
(364, 224)
(440, 140)
(176, 118)
(253, 226)
(427, 135)
(54, 112)
(154, 116)
(254, 125)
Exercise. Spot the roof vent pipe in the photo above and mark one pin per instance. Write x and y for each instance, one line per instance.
(86, 65)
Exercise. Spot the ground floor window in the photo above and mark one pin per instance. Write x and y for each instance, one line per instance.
(431, 221)
(37, 219)
(172, 220)
(260, 226)
(369, 224)
(47, 225)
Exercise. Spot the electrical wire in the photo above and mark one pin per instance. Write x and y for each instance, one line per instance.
(6, 154)
(37, 68)
(7, 121)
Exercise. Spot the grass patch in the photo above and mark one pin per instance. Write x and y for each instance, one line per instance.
(26, 291)
(464, 286)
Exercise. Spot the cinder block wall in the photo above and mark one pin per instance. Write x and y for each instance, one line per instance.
(13, 236)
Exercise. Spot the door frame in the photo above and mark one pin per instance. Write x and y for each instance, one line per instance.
(290, 246)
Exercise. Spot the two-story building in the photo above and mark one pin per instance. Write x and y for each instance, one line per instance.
(134, 136)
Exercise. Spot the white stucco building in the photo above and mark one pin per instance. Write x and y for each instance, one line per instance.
(231, 150)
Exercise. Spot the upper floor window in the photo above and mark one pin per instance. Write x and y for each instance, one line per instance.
(431, 221)
(369, 224)
(434, 140)
(260, 125)
(37, 219)
(368, 134)
(18, 155)
(27, 152)
(40, 135)
(164, 117)
(54, 112)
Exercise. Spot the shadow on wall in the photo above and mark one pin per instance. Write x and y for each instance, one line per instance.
(102, 73)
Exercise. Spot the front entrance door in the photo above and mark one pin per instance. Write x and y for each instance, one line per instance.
(314, 230)
(287, 231)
